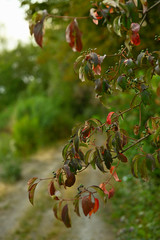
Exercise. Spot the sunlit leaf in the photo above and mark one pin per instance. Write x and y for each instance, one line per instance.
(100, 192)
(117, 25)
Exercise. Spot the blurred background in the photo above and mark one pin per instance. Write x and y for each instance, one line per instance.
(41, 99)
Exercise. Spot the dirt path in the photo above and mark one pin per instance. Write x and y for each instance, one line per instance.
(20, 221)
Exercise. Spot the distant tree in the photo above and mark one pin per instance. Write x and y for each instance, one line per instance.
(133, 75)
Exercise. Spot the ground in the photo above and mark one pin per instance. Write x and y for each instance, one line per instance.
(20, 220)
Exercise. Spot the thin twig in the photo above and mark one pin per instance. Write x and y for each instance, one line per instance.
(66, 17)
(149, 9)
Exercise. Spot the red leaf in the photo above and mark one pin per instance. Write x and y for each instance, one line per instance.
(114, 174)
(51, 188)
(31, 192)
(73, 36)
(109, 117)
(135, 27)
(96, 207)
(65, 216)
(135, 39)
(122, 157)
(87, 205)
(38, 32)
(95, 15)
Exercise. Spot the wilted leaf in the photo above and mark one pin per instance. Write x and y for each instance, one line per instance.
(87, 205)
(31, 192)
(114, 174)
(76, 143)
(144, 5)
(65, 216)
(57, 210)
(51, 188)
(73, 36)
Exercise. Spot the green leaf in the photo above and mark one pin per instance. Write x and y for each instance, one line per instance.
(122, 82)
(107, 158)
(134, 165)
(77, 63)
(76, 143)
(76, 206)
(87, 156)
(64, 151)
(143, 171)
(100, 192)
(111, 3)
(140, 58)
(99, 160)
(146, 97)
(117, 26)
(150, 162)
(66, 217)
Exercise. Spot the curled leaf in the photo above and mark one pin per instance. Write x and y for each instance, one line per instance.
(31, 192)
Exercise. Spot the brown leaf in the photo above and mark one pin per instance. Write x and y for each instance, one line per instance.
(65, 216)
(51, 188)
(31, 181)
(70, 176)
(38, 32)
(31, 192)
(73, 36)
(87, 205)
